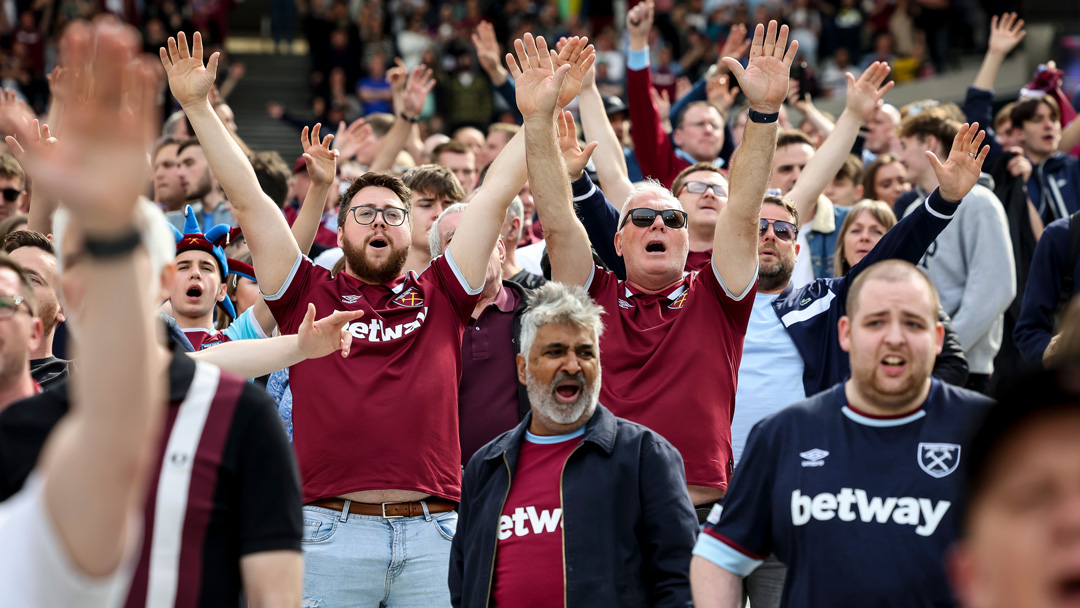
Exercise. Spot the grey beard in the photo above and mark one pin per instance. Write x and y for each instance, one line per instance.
(547, 406)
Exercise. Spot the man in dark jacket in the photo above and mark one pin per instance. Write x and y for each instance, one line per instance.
(575, 506)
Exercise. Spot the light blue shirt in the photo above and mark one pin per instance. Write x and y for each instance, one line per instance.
(245, 327)
(770, 375)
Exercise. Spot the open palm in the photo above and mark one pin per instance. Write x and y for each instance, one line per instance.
(764, 81)
(580, 55)
(189, 80)
(864, 94)
(960, 171)
(321, 161)
(537, 83)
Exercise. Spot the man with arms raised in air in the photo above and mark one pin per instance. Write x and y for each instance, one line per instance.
(363, 450)
(659, 318)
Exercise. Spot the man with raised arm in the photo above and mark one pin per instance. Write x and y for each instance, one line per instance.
(660, 318)
(376, 434)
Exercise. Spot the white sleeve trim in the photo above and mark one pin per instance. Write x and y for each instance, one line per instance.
(926, 203)
(724, 556)
(592, 275)
(460, 277)
(586, 195)
(749, 286)
(288, 281)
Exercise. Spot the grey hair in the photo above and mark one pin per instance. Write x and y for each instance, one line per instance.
(649, 186)
(156, 234)
(563, 305)
(517, 209)
(435, 235)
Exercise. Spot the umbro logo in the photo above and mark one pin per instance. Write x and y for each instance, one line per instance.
(625, 304)
(350, 299)
(813, 458)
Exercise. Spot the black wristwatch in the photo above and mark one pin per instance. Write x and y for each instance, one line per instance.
(759, 117)
(102, 249)
(412, 119)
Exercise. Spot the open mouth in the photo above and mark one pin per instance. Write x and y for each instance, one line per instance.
(655, 247)
(894, 363)
(379, 242)
(568, 391)
(194, 292)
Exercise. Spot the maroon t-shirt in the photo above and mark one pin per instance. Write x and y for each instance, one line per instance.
(204, 338)
(697, 260)
(386, 417)
(488, 396)
(529, 553)
(670, 362)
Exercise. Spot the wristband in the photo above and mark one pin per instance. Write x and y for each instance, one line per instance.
(758, 117)
(414, 119)
(101, 249)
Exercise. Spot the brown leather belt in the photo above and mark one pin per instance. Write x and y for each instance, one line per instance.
(388, 510)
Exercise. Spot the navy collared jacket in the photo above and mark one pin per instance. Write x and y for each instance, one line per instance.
(810, 313)
(628, 524)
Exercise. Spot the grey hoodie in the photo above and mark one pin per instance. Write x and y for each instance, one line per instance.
(971, 265)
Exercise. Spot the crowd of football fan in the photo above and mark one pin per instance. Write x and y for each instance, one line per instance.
(695, 357)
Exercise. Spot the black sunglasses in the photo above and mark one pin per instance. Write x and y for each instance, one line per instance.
(643, 217)
(11, 194)
(784, 231)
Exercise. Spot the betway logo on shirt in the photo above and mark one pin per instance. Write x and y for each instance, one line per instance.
(850, 505)
(376, 331)
(526, 520)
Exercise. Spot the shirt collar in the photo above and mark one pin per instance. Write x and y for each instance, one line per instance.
(672, 295)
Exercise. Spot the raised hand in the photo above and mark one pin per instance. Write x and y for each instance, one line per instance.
(536, 81)
(487, 47)
(396, 76)
(16, 117)
(662, 102)
(720, 94)
(572, 154)
(735, 46)
(101, 167)
(1005, 33)
(327, 335)
(864, 95)
(961, 170)
(580, 56)
(639, 22)
(320, 159)
(189, 80)
(417, 87)
(60, 84)
(351, 139)
(764, 80)
(37, 143)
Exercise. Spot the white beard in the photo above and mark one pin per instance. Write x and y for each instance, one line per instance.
(547, 406)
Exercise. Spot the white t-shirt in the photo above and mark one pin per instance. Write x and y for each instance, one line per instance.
(529, 256)
(35, 569)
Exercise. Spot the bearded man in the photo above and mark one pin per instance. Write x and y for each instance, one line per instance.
(591, 509)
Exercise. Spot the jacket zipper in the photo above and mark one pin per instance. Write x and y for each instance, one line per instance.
(510, 480)
(562, 526)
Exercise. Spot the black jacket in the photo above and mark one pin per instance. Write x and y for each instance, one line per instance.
(628, 525)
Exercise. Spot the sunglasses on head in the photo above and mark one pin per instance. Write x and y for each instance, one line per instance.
(11, 194)
(643, 217)
(784, 231)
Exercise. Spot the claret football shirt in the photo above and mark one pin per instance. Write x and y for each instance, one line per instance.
(671, 360)
(862, 509)
(386, 417)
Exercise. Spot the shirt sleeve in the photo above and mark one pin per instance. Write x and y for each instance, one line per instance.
(738, 305)
(245, 327)
(285, 304)
(453, 284)
(738, 536)
(268, 482)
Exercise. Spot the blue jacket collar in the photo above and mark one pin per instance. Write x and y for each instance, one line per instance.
(600, 430)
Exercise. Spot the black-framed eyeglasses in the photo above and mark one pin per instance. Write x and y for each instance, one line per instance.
(784, 231)
(701, 187)
(643, 217)
(364, 215)
(9, 305)
(11, 194)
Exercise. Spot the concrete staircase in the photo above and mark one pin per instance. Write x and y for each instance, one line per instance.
(280, 78)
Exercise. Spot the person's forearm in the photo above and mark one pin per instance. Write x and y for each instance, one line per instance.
(40, 215)
(226, 159)
(751, 167)
(712, 586)
(308, 219)
(253, 358)
(823, 166)
(608, 157)
(818, 120)
(391, 145)
(988, 71)
(1070, 136)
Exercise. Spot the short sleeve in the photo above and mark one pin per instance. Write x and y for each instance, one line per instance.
(738, 536)
(600, 281)
(452, 283)
(738, 306)
(245, 327)
(269, 484)
(285, 303)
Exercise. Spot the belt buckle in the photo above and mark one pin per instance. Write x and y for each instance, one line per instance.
(385, 516)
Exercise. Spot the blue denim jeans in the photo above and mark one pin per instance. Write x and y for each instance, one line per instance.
(364, 561)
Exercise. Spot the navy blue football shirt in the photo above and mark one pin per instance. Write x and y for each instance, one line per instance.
(860, 508)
